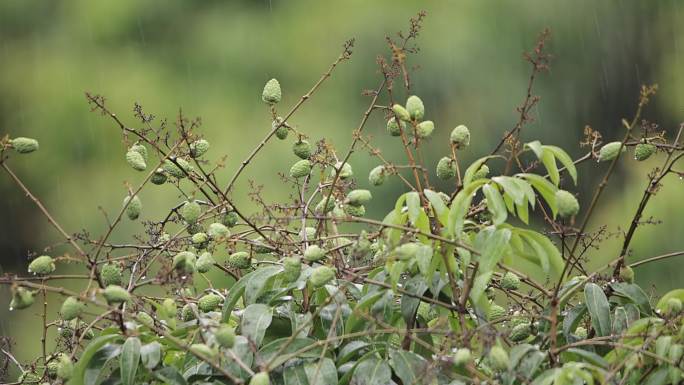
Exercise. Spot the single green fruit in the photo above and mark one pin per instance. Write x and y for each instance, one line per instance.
(199, 148)
(460, 136)
(627, 274)
(496, 312)
(415, 107)
(225, 336)
(498, 358)
(581, 332)
(185, 261)
(281, 130)
(145, 319)
(321, 275)
(141, 149)
(159, 176)
(676, 352)
(52, 366)
(200, 240)
(673, 307)
(424, 129)
(643, 151)
(610, 151)
(325, 205)
(446, 168)
(194, 228)
(42, 265)
(169, 307)
(300, 169)
(260, 378)
(240, 260)
(292, 267)
(401, 112)
(179, 171)
(271, 93)
(355, 211)
(377, 176)
(462, 357)
(510, 281)
(65, 367)
(309, 232)
(111, 274)
(21, 298)
(203, 350)
(209, 302)
(133, 208)
(188, 312)
(407, 251)
(71, 308)
(136, 160)
(24, 145)
(260, 246)
(393, 128)
(345, 170)
(205, 262)
(314, 253)
(520, 332)
(191, 211)
(218, 231)
(567, 204)
(230, 219)
(302, 149)
(115, 294)
(482, 173)
(358, 197)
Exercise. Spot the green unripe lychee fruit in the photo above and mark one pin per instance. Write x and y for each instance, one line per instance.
(393, 128)
(52, 366)
(581, 332)
(321, 275)
(205, 262)
(302, 149)
(240, 260)
(133, 208)
(626, 274)
(111, 274)
(460, 136)
(225, 336)
(24, 145)
(446, 168)
(218, 231)
(260, 378)
(159, 177)
(407, 251)
(314, 253)
(174, 170)
(141, 149)
(21, 298)
(355, 211)
(345, 170)
(300, 169)
(415, 107)
(377, 176)
(309, 232)
(496, 312)
(169, 307)
(673, 306)
(260, 246)
(202, 349)
(281, 130)
(136, 160)
(145, 319)
(188, 312)
(510, 281)
(520, 332)
(209, 302)
(401, 112)
(230, 219)
(200, 240)
(65, 367)
(498, 358)
(185, 261)
(643, 151)
(610, 151)
(358, 197)
(462, 357)
(325, 205)
(482, 173)
(199, 148)
(567, 204)
(191, 211)
(71, 308)
(42, 265)
(424, 129)
(115, 294)
(271, 93)
(292, 267)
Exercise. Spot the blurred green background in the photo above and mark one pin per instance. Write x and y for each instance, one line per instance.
(212, 58)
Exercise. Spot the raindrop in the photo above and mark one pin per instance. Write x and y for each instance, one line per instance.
(183, 277)
(11, 308)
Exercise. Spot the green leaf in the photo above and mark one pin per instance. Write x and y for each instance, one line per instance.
(322, 372)
(599, 309)
(87, 355)
(150, 354)
(97, 367)
(269, 351)
(295, 375)
(129, 360)
(255, 320)
(677, 293)
(589, 357)
(409, 367)
(438, 206)
(257, 282)
(417, 286)
(549, 162)
(545, 188)
(536, 147)
(355, 320)
(491, 242)
(573, 318)
(495, 204)
(565, 160)
(475, 167)
(413, 205)
(170, 376)
(460, 206)
(635, 294)
(372, 371)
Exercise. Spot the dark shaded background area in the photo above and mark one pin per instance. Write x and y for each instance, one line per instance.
(212, 58)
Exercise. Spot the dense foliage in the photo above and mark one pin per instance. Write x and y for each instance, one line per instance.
(483, 281)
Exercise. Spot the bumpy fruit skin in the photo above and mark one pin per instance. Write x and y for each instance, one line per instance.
(141, 149)
(401, 112)
(240, 260)
(325, 205)
(358, 197)
(230, 219)
(185, 261)
(496, 312)
(302, 149)
(145, 319)
(115, 294)
(393, 128)
(170, 168)
(446, 168)
(292, 267)
(300, 169)
(355, 211)
(65, 367)
(209, 302)
(42, 265)
(627, 274)
(225, 336)
(24, 145)
(111, 274)
(71, 308)
(309, 232)
(567, 204)
(407, 251)
(510, 281)
(345, 170)
(610, 151)
(520, 332)
(199, 148)
(159, 177)
(460, 136)
(136, 160)
(281, 131)
(581, 332)
(462, 357)
(203, 350)
(377, 176)
(191, 211)
(415, 107)
(314, 253)
(22, 298)
(204, 262)
(218, 231)
(200, 240)
(481, 173)
(260, 378)
(424, 129)
(272, 93)
(643, 151)
(673, 306)
(260, 246)
(133, 208)
(188, 312)
(498, 358)
(321, 275)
